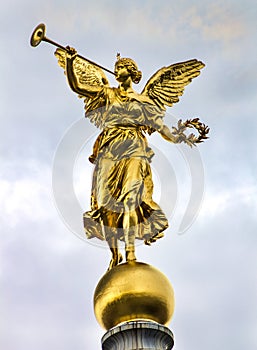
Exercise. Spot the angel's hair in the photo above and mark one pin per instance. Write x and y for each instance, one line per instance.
(132, 68)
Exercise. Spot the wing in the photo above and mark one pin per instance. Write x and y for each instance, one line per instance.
(87, 74)
(168, 83)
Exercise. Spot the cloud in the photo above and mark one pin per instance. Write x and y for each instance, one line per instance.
(218, 202)
(26, 198)
(218, 23)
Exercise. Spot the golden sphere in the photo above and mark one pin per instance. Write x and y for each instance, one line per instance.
(133, 291)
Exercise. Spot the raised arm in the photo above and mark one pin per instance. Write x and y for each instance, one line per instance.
(82, 89)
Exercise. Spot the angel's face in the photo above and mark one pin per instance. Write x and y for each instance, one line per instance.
(121, 72)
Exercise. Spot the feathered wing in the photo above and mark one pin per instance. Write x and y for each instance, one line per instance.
(166, 86)
(87, 74)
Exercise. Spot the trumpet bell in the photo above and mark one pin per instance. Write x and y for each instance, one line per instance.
(38, 35)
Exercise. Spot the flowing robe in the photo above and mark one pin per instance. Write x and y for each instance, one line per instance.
(122, 184)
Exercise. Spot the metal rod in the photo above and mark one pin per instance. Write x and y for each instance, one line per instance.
(84, 58)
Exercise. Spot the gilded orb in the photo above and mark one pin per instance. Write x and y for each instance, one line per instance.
(133, 291)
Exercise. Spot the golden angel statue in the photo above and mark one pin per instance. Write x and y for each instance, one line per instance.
(122, 208)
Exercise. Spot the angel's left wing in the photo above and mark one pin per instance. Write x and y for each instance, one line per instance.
(87, 74)
(166, 86)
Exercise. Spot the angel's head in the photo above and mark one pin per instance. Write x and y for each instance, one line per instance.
(130, 66)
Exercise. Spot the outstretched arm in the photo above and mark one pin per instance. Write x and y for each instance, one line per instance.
(178, 136)
(75, 85)
(167, 135)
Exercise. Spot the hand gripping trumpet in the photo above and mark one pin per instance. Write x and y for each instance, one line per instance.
(38, 35)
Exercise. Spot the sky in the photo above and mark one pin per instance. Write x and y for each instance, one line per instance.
(48, 272)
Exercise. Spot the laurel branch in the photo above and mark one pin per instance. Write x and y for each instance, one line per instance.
(190, 140)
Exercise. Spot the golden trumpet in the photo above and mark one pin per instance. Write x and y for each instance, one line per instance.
(38, 35)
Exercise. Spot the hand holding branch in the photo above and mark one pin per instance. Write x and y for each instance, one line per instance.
(190, 140)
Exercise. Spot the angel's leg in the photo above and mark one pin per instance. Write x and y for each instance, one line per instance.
(132, 193)
(116, 255)
(129, 236)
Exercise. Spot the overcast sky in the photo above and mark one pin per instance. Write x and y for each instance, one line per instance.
(48, 274)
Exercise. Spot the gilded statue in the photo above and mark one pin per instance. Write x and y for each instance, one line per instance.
(122, 208)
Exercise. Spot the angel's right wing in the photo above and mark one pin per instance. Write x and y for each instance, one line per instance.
(87, 74)
(166, 86)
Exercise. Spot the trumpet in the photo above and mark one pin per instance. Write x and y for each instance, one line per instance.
(39, 34)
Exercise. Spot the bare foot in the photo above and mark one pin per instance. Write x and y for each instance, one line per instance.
(130, 255)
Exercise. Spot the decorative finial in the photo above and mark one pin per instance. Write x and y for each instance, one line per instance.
(118, 56)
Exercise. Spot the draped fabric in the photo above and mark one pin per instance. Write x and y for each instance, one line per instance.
(122, 185)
